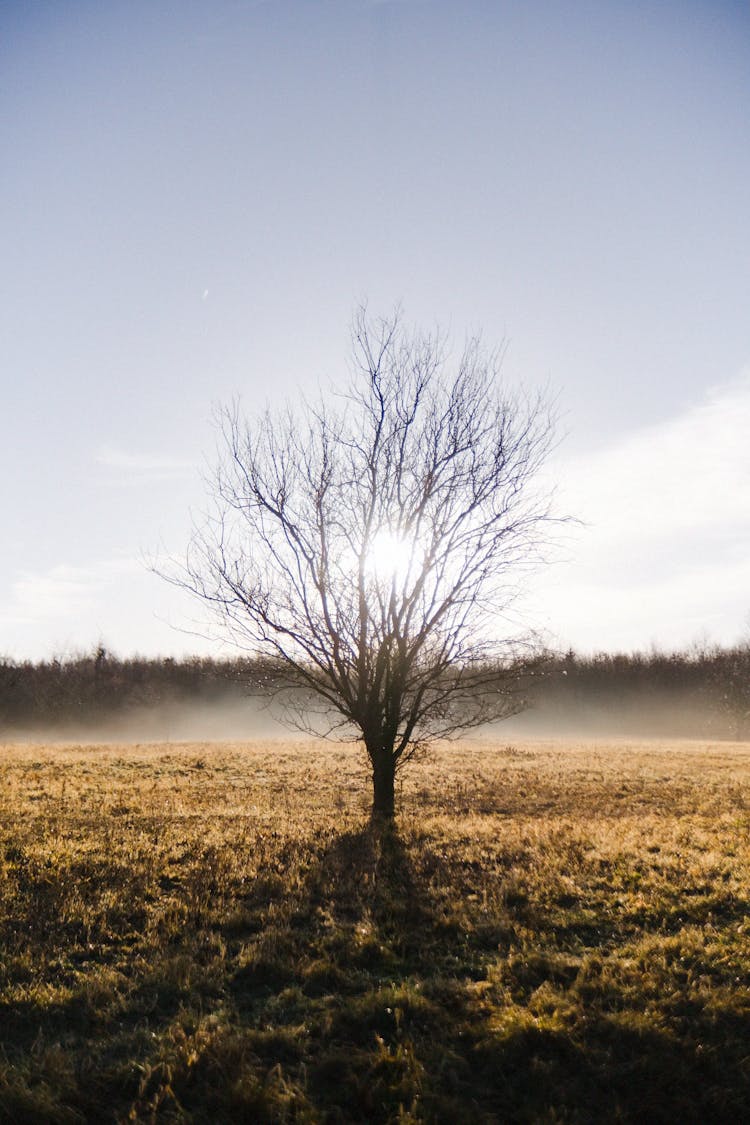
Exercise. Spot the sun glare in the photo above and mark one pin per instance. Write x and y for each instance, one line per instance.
(389, 556)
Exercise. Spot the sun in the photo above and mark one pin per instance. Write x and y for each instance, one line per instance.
(389, 556)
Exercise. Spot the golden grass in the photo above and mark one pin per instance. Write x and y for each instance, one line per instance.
(556, 932)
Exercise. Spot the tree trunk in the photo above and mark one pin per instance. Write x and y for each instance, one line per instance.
(383, 778)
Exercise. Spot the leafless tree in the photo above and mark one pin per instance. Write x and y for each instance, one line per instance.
(373, 542)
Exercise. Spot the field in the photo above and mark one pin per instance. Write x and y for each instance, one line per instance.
(556, 932)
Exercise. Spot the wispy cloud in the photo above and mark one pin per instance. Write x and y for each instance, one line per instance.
(141, 467)
(62, 592)
(665, 550)
(689, 473)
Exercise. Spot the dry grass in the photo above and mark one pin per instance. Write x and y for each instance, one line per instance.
(212, 933)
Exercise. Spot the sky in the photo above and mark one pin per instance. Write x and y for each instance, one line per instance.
(195, 197)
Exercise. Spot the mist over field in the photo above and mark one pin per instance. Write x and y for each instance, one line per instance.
(231, 718)
(227, 720)
(235, 720)
(662, 715)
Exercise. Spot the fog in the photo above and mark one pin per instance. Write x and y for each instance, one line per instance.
(653, 715)
(233, 719)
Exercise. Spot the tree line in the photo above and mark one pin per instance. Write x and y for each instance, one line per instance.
(92, 688)
(704, 691)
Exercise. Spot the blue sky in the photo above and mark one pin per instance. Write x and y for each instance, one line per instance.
(195, 197)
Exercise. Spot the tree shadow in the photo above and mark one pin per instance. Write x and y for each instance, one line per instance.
(391, 992)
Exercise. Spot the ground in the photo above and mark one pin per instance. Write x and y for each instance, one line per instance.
(554, 932)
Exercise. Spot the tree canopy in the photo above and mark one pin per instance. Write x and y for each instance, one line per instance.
(373, 541)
